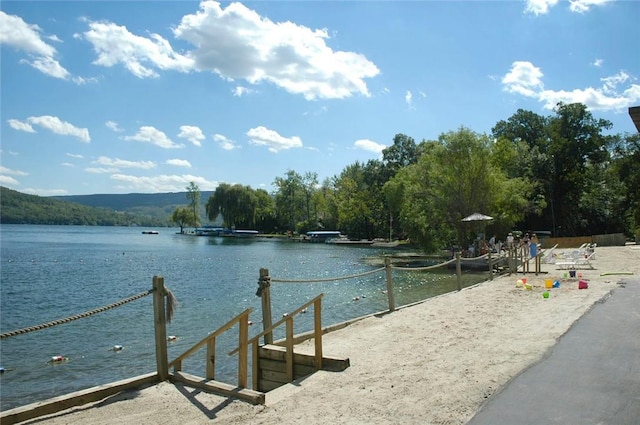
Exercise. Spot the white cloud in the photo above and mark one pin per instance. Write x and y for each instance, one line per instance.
(539, 7)
(121, 163)
(44, 192)
(369, 145)
(15, 32)
(67, 164)
(113, 126)
(238, 43)
(408, 97)
(526, 79)
(523, 78)
(53, 124)
(8, 181)
(192, 134)
(101, 170)
(74, 155)
(262, 136)
(225, 143)
(179, 163)
(162, 183)
(582, 6)
(148, 134)
(598, 62)
(21, 126)
(114, 45)
(240, 91)
(542, 7)
(5, 170)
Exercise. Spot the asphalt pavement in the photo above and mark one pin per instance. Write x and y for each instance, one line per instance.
(590, 377)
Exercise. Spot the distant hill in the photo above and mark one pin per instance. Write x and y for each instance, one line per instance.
(157, 205)
(21, 208)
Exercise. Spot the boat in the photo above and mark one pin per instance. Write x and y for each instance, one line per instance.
(243, 233)
(150, 232)
(323, 235)
(347, 241)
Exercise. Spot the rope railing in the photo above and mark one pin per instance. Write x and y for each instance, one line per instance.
(75, 317)
(329, 279)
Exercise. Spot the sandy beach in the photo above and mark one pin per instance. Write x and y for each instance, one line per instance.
(435, 362)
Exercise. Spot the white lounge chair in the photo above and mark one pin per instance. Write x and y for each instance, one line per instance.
(577, 263)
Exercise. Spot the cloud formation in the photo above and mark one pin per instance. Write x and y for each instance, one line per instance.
(369, 145)
(162, 183)
(152, 135)
(225, 143)
(542, 7)
(616, 93)
(53, 124)
(15, 32)
(192, 134)
(236, 43)
(262, 136)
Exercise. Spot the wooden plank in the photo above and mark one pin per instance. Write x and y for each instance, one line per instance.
(281, 376)
(275, 353)
(243, 359)
(266, 385)
(216, 387)
(317, 327)
(78, 398)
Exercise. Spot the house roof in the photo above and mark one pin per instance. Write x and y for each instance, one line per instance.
(634, 112)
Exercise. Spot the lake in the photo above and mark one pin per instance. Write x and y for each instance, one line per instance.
(53, 272)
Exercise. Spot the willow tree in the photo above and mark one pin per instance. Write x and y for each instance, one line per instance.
(236, 203)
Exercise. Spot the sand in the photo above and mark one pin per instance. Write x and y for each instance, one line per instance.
(435, 362)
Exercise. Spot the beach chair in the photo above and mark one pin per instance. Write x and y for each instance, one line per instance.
(577, 262)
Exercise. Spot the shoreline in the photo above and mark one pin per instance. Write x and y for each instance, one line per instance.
(436, 361)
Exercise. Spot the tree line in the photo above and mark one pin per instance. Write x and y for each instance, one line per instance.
(560, 173)
(21, 208)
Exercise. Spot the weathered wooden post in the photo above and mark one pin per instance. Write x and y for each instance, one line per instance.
(459, 271)
(387, 266)
(159, 317)
(490, 265)
(317, 332)
(264, 292)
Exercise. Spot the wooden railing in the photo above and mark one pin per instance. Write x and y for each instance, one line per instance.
(288, 340)
(210, 340)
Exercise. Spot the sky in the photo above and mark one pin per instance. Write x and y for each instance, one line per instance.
(107, 97)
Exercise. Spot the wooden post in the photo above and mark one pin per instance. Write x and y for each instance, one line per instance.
(459, 271)
(387, 266)
(255, 364)
(317, 331)
(243, 361)
(211, 359)
(490, 265)
(159, 317)
(264, 292)
(289, 344)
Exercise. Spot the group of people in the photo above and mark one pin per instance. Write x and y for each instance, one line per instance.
(528, 244)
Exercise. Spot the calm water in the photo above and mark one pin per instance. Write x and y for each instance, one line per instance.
(52, 272)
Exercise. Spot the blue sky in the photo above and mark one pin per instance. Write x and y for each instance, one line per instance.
(146, 96)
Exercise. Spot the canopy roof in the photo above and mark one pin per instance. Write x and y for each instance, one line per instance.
(477, 217)
(634, 112)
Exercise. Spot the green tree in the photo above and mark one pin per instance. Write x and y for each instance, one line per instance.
(183, 217)
(193, 196)
(237, 204)
(576, 139)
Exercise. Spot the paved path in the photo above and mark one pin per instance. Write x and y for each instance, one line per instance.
(592, 376)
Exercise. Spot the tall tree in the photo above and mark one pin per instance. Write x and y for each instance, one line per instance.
(193, 196)
(576, 139)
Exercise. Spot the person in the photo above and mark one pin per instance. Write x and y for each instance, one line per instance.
(492, 242)
(510, 240)
(533, 246)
